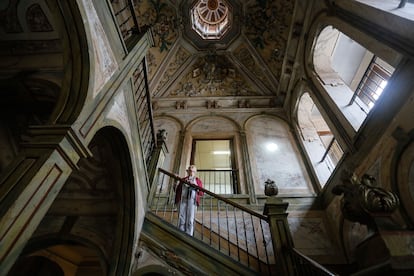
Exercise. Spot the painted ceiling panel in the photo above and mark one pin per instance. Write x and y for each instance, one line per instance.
(248, 65)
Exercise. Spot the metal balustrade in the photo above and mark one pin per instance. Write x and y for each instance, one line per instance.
(124, 12)
(219, 181)
(230, 228)
(143, 110)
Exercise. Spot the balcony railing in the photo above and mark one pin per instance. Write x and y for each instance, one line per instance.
(219, 181)
(230, 228)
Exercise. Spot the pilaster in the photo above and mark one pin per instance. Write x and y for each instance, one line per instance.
(247, 168)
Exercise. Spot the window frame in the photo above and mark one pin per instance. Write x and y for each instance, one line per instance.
(235, 181)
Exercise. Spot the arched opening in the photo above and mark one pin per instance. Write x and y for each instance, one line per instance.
(353, 77)
(321, 146)
(36, 266)
(93, 216)
(45, 81)
(70, 258)
(213, 147)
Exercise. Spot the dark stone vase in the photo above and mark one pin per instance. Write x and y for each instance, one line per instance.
(270, 188)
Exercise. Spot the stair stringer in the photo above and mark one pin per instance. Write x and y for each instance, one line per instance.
(186, 253)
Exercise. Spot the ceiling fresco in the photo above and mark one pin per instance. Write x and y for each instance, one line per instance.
(248, 65)
(212, 75)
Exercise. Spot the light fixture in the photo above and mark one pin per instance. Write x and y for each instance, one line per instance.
(221, 152)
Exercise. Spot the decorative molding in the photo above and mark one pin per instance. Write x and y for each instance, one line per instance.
(212, 75)
(37, 20)
(267, 27)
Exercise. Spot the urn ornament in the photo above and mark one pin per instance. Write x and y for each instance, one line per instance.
(270, 188)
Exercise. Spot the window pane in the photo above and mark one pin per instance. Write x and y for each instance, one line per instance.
(214, 166)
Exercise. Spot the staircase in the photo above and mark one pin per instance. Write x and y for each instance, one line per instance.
(185, 253)
(229, 239)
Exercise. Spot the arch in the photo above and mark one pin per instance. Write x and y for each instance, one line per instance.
(37, 245)
(266, 115)
(48, 84)
(207, 117)
(75, 80)
(271, 144)
(201, 131)
(96, 207)
(36, 265)
(352, 85)
(126, 226)
(172, 118)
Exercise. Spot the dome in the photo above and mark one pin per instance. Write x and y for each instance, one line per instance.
(211, 18)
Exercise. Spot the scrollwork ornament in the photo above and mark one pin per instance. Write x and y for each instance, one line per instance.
(362, 201)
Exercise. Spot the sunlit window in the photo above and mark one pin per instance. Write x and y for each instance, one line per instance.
(214, 161)
(372, 84)
(318, 140)
(352, 76)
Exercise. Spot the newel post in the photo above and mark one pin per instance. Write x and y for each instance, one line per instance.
(275, 209)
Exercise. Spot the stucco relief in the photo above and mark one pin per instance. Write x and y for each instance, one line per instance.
(213, 75)
(267, 23)
(245, 57)
(118, 112)
(180, 57)
(162, 19)
(270, 145)
(105, 63)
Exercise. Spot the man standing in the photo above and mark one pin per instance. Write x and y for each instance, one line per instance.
(188, 198)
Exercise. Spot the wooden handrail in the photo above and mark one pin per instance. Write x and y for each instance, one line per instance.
(245, 209)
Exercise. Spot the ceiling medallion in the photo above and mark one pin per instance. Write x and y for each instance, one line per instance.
(211, 18)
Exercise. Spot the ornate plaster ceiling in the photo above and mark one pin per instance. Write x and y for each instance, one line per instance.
(247, 61)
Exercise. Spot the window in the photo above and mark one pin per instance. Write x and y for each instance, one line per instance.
(320, 144)
(372, 84)
(214, 161)
(351, 75)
